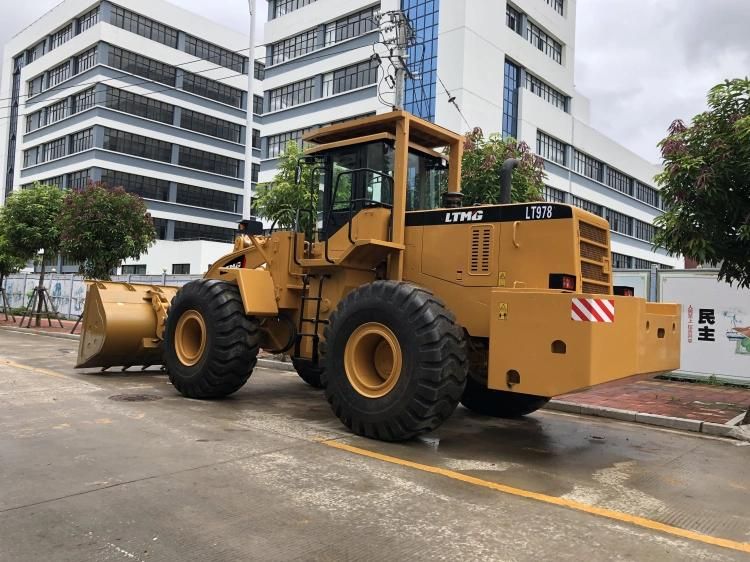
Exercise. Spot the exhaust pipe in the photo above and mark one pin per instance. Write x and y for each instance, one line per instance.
(506, 175)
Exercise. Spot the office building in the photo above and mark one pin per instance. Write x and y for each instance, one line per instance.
(506, 67)
(139, 94)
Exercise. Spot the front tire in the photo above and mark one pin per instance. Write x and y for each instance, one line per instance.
(210, 345)
(395, 361)
(308, 372)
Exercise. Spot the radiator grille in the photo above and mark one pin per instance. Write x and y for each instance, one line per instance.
(594, 247)
(481, 250)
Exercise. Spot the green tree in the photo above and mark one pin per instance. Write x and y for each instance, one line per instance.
(101, 227)
(705, 184)
(31, 222)
(279, 200)
(480, 172)
(10, 262)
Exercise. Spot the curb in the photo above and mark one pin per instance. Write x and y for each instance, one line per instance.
(709, 428)
(20, 330)
(273, 364)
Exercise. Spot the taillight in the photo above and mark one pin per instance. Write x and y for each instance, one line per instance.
(623, 291)
(562, 281)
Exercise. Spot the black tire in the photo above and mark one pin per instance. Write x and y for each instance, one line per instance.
(308, 372)
(498, 403)
(231, 340)
(433, 358)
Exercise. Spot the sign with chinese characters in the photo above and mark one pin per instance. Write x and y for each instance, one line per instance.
(715, 324)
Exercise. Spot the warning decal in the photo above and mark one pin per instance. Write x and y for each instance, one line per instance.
(593, 310)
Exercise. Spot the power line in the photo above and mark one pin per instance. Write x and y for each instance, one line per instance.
(452, 100)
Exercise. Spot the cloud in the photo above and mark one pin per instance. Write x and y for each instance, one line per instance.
(644, 64)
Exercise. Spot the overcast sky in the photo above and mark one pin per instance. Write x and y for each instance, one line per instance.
(642, 63)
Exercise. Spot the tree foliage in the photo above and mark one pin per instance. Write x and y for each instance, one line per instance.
(706, 184)
(101, 227)
(278, 201)
(482, 160)
(31, 221)
(10, 262)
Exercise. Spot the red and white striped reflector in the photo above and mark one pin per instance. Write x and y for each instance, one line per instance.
(592, 310)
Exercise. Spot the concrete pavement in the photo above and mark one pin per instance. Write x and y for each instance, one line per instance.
(88, 474)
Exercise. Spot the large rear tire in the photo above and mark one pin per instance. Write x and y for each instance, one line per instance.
(210, 345)
(308, 372)
(394, 361)
(498, 403)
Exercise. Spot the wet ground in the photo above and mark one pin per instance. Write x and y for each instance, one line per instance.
(119, 467)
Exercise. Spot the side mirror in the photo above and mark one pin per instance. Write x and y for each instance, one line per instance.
(298, 174)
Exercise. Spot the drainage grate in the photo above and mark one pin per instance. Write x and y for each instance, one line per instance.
(134, 397)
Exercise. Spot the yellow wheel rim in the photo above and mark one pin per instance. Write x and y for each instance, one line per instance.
(190, 338)
(373, 360)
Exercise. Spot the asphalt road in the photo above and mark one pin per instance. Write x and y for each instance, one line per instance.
(270, 474)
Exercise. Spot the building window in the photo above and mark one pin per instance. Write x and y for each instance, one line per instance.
(351, 78)
(134, 104)
(620, 261)
(208, 125)
(554, 195)
(550, 148)
(139, 269)
(588, 206)
(420, 92)
(256, 138)
(209, 162)
(137, 145)
(62, 36)
(56, 112)
(78, 180)
(513, 18)
(148, 188)
(646, 194)
(277, 143)
(588, 166)
(145, 27)
(292, 94)
(36, 85)
(142, 66)
(85, 100)
(89, 19)
(350, 26)
(510, 100)
(258, 105)
(643, 230)
(160, 227)
(58, 74)
(53, 150)
(619, 181)
(35, 52)
(34, 121)
(557, 5)
(292, 47)
(213, 53)
(254, 173)
(82, 140)
(193, 231)
(546, 92)
(211, 89)
(180, 269)
(283, 7)
(259, 70)
(619, 222)
(31, 157)
(207, 198)
(544, 42)
(85, 60)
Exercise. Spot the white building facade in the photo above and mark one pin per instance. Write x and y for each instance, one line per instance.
(509, 67)
(139, 94)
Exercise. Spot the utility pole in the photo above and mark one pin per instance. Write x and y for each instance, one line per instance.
(248, 197)
(398, 37)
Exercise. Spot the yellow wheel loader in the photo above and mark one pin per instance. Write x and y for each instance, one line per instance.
(395, 299)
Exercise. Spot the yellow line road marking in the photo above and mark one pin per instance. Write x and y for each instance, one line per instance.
(562, 502)
(15, 365)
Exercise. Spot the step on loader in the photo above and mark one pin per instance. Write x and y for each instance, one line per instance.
(395, 299)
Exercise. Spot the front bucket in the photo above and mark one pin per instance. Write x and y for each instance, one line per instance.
(119, 325)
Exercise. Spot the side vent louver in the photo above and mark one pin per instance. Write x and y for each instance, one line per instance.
(481, 249)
